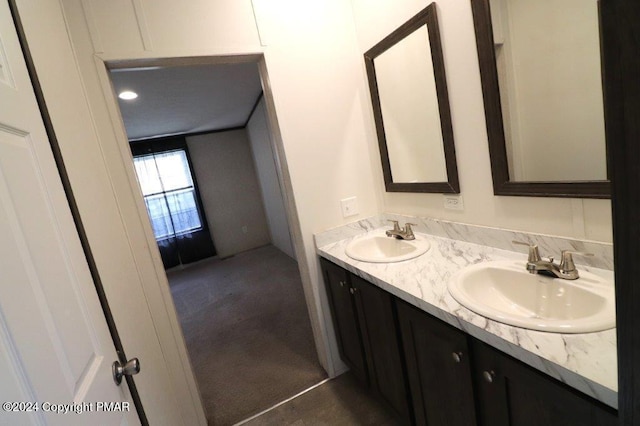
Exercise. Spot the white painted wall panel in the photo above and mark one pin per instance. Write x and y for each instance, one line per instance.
(260, 139)
(112, 24)
(189, 25)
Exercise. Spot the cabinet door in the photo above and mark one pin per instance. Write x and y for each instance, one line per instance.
(512, 393)
(345, 320)
(375, 309)
(439, 369)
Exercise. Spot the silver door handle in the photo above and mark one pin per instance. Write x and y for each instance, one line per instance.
(129, 369)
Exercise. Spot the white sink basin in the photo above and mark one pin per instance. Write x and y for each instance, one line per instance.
(378, 248)
(506, 292)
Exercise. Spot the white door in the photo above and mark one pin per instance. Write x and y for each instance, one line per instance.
(55, 348)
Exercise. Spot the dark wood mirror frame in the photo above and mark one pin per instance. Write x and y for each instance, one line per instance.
(502, 184)
(428, 17)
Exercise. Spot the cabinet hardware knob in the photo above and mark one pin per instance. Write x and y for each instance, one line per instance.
(457, 357)
(489, 376)
(352, 290)
(341, 283)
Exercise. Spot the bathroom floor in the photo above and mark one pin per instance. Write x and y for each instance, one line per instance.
(247, 331)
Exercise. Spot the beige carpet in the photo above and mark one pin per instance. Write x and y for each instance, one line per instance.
(247, 331)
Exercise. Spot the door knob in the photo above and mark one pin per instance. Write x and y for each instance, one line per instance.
(129, 369)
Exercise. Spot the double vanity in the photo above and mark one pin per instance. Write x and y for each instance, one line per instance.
(550, 299)
(453, 324)
(449, 327)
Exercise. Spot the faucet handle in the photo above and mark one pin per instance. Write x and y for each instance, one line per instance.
(534, 254)
(396, 226)
(566, 262)
(408, 231)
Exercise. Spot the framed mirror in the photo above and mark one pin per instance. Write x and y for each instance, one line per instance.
(542, 87)
(411, 108)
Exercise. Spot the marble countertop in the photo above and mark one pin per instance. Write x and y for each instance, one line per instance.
(587, 362)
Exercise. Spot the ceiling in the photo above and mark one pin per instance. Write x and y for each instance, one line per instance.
(187, 99)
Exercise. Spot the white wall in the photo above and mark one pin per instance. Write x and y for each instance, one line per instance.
(259, 136)
(228, 186)
(590, 219)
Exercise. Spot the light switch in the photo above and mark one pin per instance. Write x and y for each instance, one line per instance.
(349, 206)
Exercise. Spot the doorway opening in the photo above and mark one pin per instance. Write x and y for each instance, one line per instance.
(202, 149)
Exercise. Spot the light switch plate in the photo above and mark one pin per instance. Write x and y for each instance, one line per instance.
(349, 206)
(453, 202)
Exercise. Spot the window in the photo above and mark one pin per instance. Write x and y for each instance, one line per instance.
(167, 186)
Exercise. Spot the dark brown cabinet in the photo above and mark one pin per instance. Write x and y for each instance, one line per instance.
(365, 321)
(439, 369)
(345, 320)
(431, 373)
(511, 393)
(376, 316)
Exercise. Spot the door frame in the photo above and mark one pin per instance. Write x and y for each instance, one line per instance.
(106, 63)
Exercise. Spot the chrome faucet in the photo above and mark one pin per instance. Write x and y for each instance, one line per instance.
(565, 270)
(405, 233)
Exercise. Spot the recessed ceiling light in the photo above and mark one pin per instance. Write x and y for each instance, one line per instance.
(128, 95)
